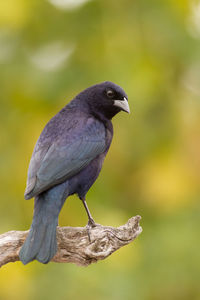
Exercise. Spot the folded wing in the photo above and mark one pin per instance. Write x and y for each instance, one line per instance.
(58, 160)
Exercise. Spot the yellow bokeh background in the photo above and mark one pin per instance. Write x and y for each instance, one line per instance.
(49, 51)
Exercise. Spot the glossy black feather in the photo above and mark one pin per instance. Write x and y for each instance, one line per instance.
(67, 159)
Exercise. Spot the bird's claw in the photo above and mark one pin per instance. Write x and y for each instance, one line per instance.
(91, 224)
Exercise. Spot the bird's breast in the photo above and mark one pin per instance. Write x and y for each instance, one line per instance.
(82, 182)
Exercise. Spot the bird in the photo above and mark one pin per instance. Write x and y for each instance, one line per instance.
(67, 160)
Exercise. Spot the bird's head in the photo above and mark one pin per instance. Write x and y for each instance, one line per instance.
(106, 99)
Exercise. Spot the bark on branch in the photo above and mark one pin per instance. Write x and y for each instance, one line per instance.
(73, 242)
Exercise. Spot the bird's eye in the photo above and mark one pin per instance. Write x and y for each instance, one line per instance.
(110, 93)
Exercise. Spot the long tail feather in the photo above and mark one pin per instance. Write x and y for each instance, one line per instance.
(40, 243)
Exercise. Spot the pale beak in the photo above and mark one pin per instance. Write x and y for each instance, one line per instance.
(123, 104)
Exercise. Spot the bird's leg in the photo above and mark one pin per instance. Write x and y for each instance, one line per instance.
(91, 223)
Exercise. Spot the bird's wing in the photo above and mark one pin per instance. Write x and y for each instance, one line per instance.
(53, 164)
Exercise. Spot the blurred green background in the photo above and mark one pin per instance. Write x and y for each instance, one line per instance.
(49, 51)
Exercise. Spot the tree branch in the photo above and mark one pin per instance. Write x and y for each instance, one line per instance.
(73, 242)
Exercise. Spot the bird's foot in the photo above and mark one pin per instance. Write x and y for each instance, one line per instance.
(91, 224)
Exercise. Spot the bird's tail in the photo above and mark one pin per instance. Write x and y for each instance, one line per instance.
(40, 243)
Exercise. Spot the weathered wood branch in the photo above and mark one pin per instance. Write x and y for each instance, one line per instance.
(73, 242)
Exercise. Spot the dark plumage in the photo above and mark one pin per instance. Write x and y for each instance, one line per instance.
(67, 159)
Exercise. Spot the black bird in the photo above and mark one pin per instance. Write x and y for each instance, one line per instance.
(67, 159)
